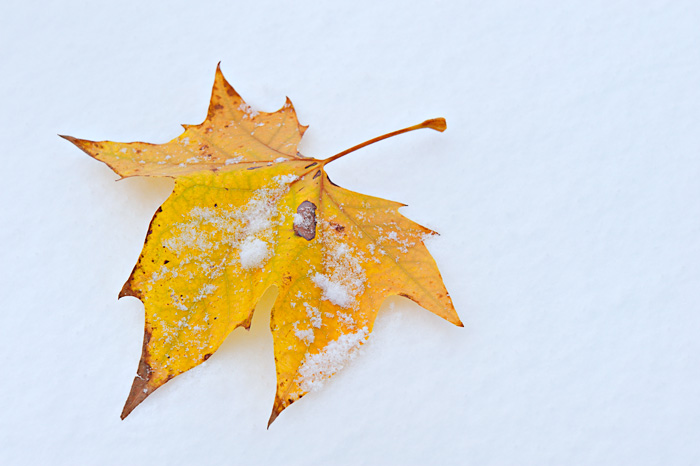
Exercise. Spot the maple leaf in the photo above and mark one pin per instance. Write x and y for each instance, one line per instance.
(248, 212)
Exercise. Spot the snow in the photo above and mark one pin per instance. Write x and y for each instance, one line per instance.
(334, 291)
(286, 179)
(346, 319)
(253, 252)
(206, 290)
(565, 190)
(318, 367)
(234, 235)
(248, 112)
(314, 315)
(345, 277)
(307, 336)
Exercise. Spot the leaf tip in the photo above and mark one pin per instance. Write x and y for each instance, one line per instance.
(288, 105)
(70, 139)
(139, 392)
(127, 290)
(280, 406)
(218, 70)
(273, 416)
(84, 145)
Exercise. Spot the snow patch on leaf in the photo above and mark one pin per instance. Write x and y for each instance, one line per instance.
(233, 160)
(314, 315)
(248, 112)
(246, 233)
(253, 251)
(307, 336)
(344, 278)
(317, 368)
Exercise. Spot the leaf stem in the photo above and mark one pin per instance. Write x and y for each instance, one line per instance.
(438, 124)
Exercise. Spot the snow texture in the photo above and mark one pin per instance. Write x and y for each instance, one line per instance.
(318, 367)
(565, 191)
(253, 251)
(346, 276)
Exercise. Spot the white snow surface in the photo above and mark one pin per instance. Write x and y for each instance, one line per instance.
(565, 191)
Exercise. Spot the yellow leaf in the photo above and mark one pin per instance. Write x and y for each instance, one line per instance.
(249, 212)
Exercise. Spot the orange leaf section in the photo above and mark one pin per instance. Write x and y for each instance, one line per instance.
(249, 212)
(232, 134)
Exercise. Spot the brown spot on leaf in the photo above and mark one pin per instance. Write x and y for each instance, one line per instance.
(306, 227)
(218, 107)
(206, 356)
(337, 227)
(318, 173)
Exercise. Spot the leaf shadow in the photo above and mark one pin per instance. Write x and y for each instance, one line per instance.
(150, 191)
(252, 350)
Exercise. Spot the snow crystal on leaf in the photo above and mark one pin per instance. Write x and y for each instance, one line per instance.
(248, 112)
(345, 278)
(205, 291)
(314, 315)
(233, 160)
(346, 319)
(253, 251)
(188, 237)
(246, 231)
(307, 336)
(333, 291)
(286, 179)
(316, 368)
